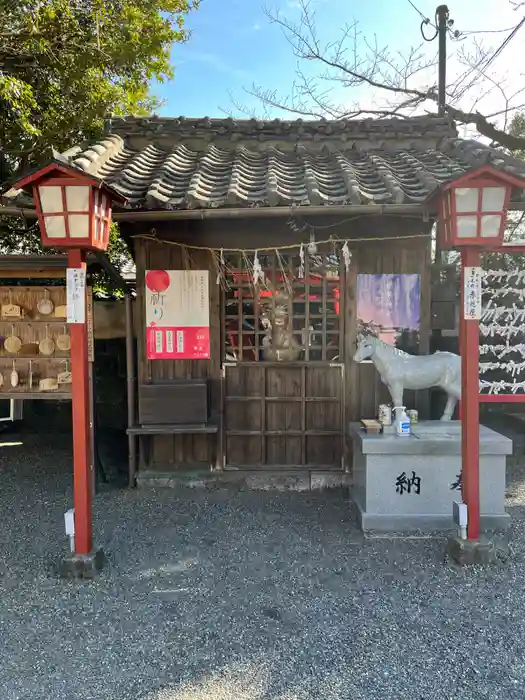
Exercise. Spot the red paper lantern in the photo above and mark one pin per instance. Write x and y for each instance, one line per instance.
(473, 208)
(73, 209)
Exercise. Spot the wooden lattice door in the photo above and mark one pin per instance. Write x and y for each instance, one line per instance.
(283, 414)
(279, 415)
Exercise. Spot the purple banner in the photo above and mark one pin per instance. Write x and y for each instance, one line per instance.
(387, 304)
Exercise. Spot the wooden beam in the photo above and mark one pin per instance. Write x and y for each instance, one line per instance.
(31, 274)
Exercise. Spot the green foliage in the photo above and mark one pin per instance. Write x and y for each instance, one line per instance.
(517, 128)
(23, 238)
(118, 254)
(66, 65)
(19, 237)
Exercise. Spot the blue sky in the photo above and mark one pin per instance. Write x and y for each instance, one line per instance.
(233, 44)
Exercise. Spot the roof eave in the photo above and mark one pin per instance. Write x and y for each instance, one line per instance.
(267, 212)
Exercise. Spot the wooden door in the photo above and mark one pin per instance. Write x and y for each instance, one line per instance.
(283, 415)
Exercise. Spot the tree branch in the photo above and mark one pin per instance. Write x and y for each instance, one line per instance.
(485, 128)
(352, 62)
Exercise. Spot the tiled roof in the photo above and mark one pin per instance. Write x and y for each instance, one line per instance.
(182, 163)
(127, 270)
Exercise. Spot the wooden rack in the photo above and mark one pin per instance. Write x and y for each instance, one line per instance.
(31, 327)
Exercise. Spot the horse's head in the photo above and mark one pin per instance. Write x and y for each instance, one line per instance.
(366, 345)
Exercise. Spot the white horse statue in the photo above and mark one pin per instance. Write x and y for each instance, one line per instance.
(400, 371)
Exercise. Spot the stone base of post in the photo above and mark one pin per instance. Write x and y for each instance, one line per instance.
(82, 566)
(478, 552)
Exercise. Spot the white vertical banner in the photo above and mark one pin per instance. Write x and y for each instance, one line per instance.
(76, 294)
(472, 293)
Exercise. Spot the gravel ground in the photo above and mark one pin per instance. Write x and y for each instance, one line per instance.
(253, 596)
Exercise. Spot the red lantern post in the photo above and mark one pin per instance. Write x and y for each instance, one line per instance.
(469, 348)
(74, 214)
(82, 463)
(473, 217)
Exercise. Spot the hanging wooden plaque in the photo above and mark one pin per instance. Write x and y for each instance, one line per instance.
(11, 311)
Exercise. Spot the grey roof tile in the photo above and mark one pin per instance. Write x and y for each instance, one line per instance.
(128, 270)
(160, 163)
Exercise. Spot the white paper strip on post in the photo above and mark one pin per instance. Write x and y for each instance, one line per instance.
(76, 294)
(472, 281)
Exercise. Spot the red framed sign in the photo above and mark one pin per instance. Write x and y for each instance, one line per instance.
(177, 315)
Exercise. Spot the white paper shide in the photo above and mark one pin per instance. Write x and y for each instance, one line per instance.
(502, 333)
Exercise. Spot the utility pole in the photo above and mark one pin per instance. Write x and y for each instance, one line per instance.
(442, 16)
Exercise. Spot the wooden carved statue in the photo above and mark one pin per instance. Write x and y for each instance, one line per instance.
(400, 371)
(279, 344)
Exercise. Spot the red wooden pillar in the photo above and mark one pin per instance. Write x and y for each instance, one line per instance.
(82, 463)
(469, 348)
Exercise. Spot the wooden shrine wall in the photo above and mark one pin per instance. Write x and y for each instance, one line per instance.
(363, 389)
(179, 449)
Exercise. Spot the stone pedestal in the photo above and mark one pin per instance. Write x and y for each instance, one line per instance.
(471, 552)
(409, 483)
(82, 566)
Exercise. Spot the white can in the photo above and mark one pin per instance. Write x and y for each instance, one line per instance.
(385, 414)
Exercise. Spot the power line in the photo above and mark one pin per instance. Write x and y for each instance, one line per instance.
(426, 20)
(468, 32)
(483, 67)
(504, 43)
(455, 34)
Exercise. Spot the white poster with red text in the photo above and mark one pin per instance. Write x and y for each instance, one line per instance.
(177, 315)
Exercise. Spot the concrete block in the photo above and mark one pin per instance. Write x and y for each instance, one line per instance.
(265, 481)
(319, 481)
(82, 566)
(174, 479)
(431, 438)
(410, 483)
(153, 478)
(471, 552)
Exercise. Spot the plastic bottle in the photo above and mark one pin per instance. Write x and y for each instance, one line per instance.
(402, 421)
